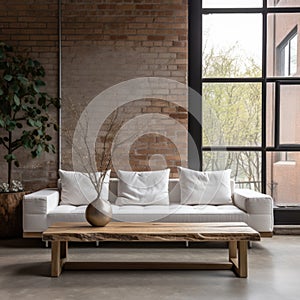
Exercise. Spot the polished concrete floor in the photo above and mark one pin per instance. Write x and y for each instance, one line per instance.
(274, 272)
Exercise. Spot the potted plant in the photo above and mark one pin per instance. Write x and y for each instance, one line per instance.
(24, 118)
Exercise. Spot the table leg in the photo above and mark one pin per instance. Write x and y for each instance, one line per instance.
(238, 257)
(243, 259)
(232, 249)
(64, 250)
(59, 254)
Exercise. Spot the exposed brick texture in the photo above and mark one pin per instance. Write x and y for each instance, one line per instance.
(104, 43)
(31, 27)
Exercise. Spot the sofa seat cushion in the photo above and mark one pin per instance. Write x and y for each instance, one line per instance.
(179, 213)
(67, 213)
(155, 213)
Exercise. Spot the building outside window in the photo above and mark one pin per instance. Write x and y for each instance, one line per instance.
(287, 53)
(250, 92)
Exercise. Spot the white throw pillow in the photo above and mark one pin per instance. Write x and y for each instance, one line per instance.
(77, 188)
(143, 188)
(211, 187)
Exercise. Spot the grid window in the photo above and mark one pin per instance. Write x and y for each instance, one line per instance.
(252, 137)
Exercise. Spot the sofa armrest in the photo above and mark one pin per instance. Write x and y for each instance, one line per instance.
(40, 202)
(253, 202)
(259, 208)
(36, 206)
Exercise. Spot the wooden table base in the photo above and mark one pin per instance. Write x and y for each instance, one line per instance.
(235, 233)
(237, 262)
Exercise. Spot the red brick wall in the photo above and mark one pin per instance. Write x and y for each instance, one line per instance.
(108, 42)
(30, 26)
(103, 43)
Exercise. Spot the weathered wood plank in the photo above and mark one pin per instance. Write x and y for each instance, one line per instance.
(243, 259)
(146, 266)
(232, 249)
(11, 214)
(55, 259)
(121, 231)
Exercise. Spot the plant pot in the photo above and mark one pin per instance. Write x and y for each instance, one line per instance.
(98, 213)
(11, 222)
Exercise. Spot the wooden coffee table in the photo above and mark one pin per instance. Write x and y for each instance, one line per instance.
(236, 234)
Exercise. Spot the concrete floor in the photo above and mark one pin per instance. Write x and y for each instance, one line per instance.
(274, 272)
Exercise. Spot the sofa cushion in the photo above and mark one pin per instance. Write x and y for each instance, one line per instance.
(179, 213)
(153, 213)
(77, 188)
(211, 187)
(143, 188)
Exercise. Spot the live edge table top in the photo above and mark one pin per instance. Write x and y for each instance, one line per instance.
(152, 232)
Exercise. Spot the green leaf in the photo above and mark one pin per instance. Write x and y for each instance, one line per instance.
(31, 122)
(37, 152)
(16, 100)
(38, 123)
(25, 107)
(9, 157)
(8, 77)
(30, 63)
(11, 125)
(36, 88)
(41, 101)
(17, 164)
(23, 80)
(1, 92)
(2, 123)
(15, 87)
(39, 83)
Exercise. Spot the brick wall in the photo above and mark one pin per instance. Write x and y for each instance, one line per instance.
(108, 42)
(31, 27)
(105, 43)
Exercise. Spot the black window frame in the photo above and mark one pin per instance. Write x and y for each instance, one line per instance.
(195, 81)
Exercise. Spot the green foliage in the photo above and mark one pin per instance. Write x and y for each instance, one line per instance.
(24, 106)
(232, 113)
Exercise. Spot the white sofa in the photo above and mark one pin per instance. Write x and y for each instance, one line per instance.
(42, 208)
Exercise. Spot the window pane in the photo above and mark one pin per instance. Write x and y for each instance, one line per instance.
(245, 166)
(283, 176)
(270, 111)
(282, 44)
(231, 114)
(232, 45)
(285, 61)
(289, 114)
(283, 3)
(231, 3)
(293, 55)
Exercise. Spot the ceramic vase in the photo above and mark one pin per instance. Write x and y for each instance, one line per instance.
(98, 213)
